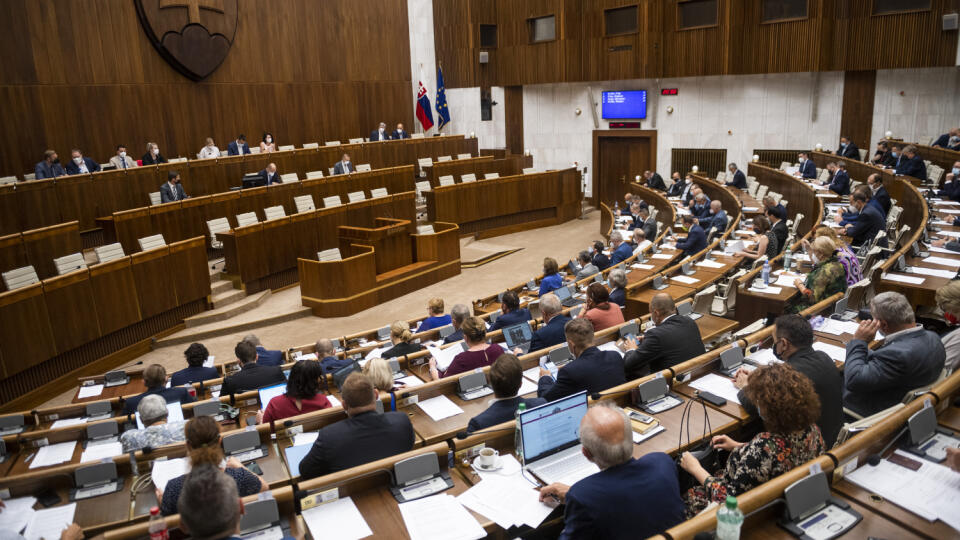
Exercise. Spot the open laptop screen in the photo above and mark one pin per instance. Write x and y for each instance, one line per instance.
(517, 334)
(553, 427)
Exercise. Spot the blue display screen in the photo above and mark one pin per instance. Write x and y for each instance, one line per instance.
(624, 104)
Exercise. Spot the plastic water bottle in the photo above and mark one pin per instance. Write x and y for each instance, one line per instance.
(517, 437)
(616, 208)
(158, 525)
(729, 520)
(787, 259)
(766, 272)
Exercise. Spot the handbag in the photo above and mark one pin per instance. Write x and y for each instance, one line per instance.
(705, 453)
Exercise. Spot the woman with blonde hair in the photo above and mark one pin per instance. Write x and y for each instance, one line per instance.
(827, 277)
(948, 300)
(435, 317)
(848, 259)
(402, 339)
(380, 374)
(479, 353)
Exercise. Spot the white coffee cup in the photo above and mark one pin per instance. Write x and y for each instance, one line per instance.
(488, 457)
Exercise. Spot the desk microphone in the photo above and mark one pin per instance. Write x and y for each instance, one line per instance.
(597, 395)
(762, 345)
(461, 435)
(874, 459)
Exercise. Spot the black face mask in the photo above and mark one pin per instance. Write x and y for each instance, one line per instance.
(56, 161)
(779, 355)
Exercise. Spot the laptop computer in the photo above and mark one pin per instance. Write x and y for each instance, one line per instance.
(473, 386)
(732, 360)
(686, 310)
(551, 441)
(269, 392)
(261, 519)
(573, 267)
(927, 439)
(561, 356)
(566, 297)
(518, 336)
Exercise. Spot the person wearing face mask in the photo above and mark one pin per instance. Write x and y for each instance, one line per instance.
(209, 150)
(851, 215)
(808, 169)
(238, 146)
(840, 183)
(50, 166)
(715, 218)
(954, 143)
(912, 164)
(896, 156)
(343, 166)
(883, 157)
(739, 179)
(399, 133)
(868, 223)
(380, 134)
(654, 180)
(122, 160)
(951, 184)
(948, 300)
(676, 187)
(267, 144)
(826, 279)
(673, 339)
(171, 190)
(910, 357)
(81, 165)
(848, 149)
(767, 243)
(153, 155)
(945, 140)
(696, 238)
(687, 193)
(270, 175)
(793, 344)
(848, 259)
(701, 207)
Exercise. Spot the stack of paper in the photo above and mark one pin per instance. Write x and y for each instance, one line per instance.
(507, 500)
(439, 517)
(526, 387)
(90, 391)
(924, 271)
(336, 520)
(710, 264)
(837, 354)
(409, 381)
(768, 290)
(54, 454)
(48, 524)
(66, 422)
(439, 408)
(684, 279)
(764, 357)
(165, 470)
(305, 438)
(717, 385)
(96, 452)
(533, 373)
(444, 357)
(611, 346)
(662, 256)
(903, 279)
(943, 261)
(17, 514)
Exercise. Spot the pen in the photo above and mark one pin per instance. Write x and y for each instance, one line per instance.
(29, 457)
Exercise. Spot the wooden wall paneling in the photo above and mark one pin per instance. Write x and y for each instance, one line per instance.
(114, 295)
(45, 244)
(774, 158)
(26, 338)
(856, 117)
(155, 278)
(694, 52)
(625, 56)
(618, 156)
(708, 160)
(12, 253)
(306, 243)
(513, 118)
(773, 47)
(278, 248)
(72, 311)
(189, 257)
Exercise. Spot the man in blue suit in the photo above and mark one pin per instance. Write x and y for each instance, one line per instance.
(506, 376)
(380, 134)
(264, 357)
(701, 205)
(868, 223)
(80, 164)
(511, 312)
(848, 149)
(911, 164)
(943, 141)
(846, 218)
(739, 179)
(50, 166)
(551, 332)
(808, 169)
(621, 250)
(344, 166)
(716, 217)
(592, 370)
(399, 133)
(840, 184)
(875, 181)
(696, 239)
(270, 175)
(629, 498)
(239, 146)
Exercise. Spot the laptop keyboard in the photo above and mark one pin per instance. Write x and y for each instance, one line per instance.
(86, 493)
(478, 393)
(250, 455)
(568, 469)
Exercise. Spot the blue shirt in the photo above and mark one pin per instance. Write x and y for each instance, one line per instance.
(433, 322)
(550, 283)
(622, 253)
(269, 358)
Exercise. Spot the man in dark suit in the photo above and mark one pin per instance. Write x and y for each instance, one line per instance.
(883, 157)
(696, 238)
(808, 169)
(840, 183)
(875, 181)
(793, 343)
(951, 184)
(592, 370)
(155, 379)
(506, 376)
(943, 141)
(845, 218)
(551, 332)
(364, 436)
(327, 356)
(617, 279)
(648, 224)
(912, 164)
(848, 149)
(739, 179)
(673, 339)
(270, 175)
(778, 224)
(619, 250)
(701, 205)
(172, 190)
(252, 375)
(601, 261)
(511, 312)
(196, 355)
(50, 166)
(80, 164)
(399, 133)
(239, 146)
(380, 134)
(868, 223)
(676, 188)
(343, 166)
(264, 357)
(655, 181)
(689, 191)
(716, 217)
(628, 498)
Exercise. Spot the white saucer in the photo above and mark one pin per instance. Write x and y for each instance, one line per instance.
(496, 465)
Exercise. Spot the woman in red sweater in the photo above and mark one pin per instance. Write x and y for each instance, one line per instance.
(478, 355)
(600, 311)
(302, 395)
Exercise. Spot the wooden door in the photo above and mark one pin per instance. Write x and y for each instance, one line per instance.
(618, 157)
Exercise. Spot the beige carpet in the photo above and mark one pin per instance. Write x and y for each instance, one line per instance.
(474, 253)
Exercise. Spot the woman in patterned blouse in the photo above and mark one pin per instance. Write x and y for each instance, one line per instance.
(789, 408)
(848, 259)
(826, 279)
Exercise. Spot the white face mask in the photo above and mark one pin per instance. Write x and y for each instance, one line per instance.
(956, 171)
(687, 181)
(813, 258)
(155, 151)
(269, 139)
(123, 154)
(802, 160)
(78, 160)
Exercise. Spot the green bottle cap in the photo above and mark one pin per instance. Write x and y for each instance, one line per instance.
(522, 406)
(731, 502)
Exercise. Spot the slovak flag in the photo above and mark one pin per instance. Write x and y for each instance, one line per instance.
(424, 114)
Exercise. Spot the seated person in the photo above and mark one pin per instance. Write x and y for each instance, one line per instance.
(551, 280)
(676, 185)
(654, 180)
(209, 150)
(364, 436)
(592, 370)
(826, 279)
(155, 379)
(156, 431)
(912, 164)
(673, 339)
(618, 287)
(327, 355)
(948, 300)
(402, 339)
(550, 333)
(868, 224)
(647, 224)
(587, 268)
(400, 133)
(911, 357)
(951, 185)
(619, 250)
(793, 344)
(344, 166)
(252, 375)
(846, 218)
(239, 146)
(788, 407)
(122, 160)
(506, 375)
(840, 183)
(627, 201)
(435, 317)
(739, 180)
(172, 189)
(635, 214)
(766, 241)
(264, 357)
(479, 353)
(270, 175)
(81, 165)
(302, 396)
(599, 310)
(769, 203)
(696, 239)
(808, 169)
(777, 216)
(203, 448)
(267, 144)
(715, 217)
(639, 240)
(380, 374)
(949, 140)
(511, 312)
(210, 504)
(380, 134)
(153, 155)
(458, 314)
(601, 261)
(196, 355)
(883, 157)
(701, 206)
(629, 498)
(848, 259)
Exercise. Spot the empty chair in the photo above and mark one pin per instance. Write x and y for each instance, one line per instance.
(155, 198)
(469, 177)
(314, 174)
(274, 212)
(723, 304)
(444, 158)
(20, 277)
(177, 160)
(109, 252)
(216, 226)
(285, 148)
(491, 175)
(761, 191)
(784, 165)
(416, 135)
(796, 224)
(529, 170)
(332, 143)
(425, 229)
(247, 218)
(424, 162)
(863, 154)
(447, 180)
(152, 242)
(254, 150)
(424, 186)
(311, 145)
(721, 176)
(752, 189)
(331, 171)
(223, 153)
(331, 201)
(328, 255)
(30, 176)
(752, 179)
(704, 300)
(364, 167)
(898, 237)
(69, 263)
(357, 140)
(464, 156)
(356, 196)
(776, 197)
(783, 202)
(378, 193)
(8, 180)
(304, 203)
(289, 178)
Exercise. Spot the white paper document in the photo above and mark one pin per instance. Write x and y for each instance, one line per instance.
(526, 387)
(764, 357)
(309, 437)
(924, 271)
(786, 280)
(67, 422)
(955, 234)
(769, 290)
(943, 261)
(96, 452)
(717, 385)
(53, 454)
(17, 514)
(336, 520)
(638, 266)
(209, 361)
(835, 327)
(734, 247)
(90, 391)
(533, 373)
(49, 523)
(376, 352)
(710, 264)
(837, 354)
(610, 346)
(409, 381)
(165, 470)
(439, 517)
(666, 256)
(439, 408)
(684, 279)
(935, 249)
(507, 500)
(903, 279)
(333, 400)
(445, 357)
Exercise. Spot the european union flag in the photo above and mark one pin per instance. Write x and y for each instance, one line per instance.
(443, 113)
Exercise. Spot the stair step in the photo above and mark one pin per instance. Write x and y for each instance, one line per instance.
(227, 297)
(223, 312)
(221, 285)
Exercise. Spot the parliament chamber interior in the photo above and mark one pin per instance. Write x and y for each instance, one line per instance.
(438, 269)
